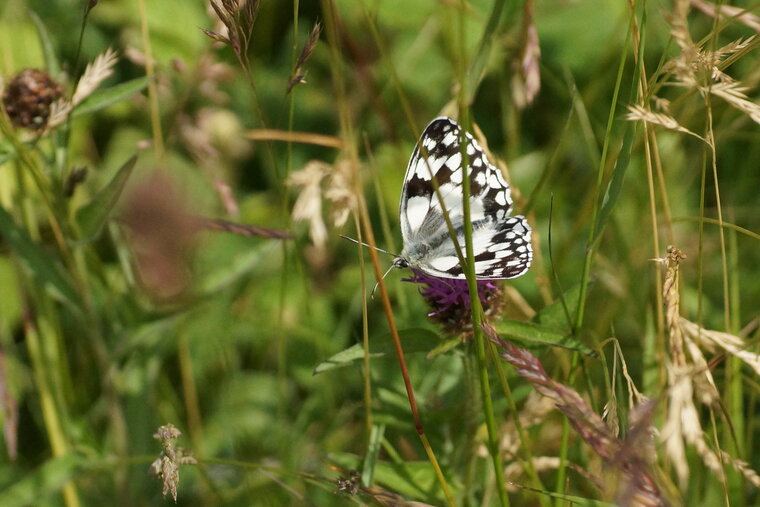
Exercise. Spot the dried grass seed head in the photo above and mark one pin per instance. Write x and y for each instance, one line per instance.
(526, 80)
(166, 466)
(298, 76)
(308, 205)
(95, 73)
(340, 192)
(636, 478)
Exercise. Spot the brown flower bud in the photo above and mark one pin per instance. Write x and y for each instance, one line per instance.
(28, 98)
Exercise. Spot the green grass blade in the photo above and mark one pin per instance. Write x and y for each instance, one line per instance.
(373, 449)
(570, 499)
(532, 333)
(45, 270)
(415, 340)
(555, 316)
(43, 482)
(410, 479)
(108, 96)
(48, 50)
(615, 186)
(92, 216)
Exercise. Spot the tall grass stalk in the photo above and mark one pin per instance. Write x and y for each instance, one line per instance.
(593, 236)
(257, 360)
(150, 71)
(476, 310)
(44, 372)
(331, 26)
(400, 352)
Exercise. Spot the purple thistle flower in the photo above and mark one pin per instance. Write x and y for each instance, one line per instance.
(449, 299)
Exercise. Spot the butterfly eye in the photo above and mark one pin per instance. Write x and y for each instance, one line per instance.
(400, 263)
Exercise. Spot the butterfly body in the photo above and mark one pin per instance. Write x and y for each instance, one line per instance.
(501, 243)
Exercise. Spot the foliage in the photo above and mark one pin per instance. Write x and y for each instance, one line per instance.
(170, 210)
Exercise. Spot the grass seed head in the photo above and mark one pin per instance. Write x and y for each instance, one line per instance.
(308, 205)
(526, 81)
(166, 466)
(633, 474)
(298, 75)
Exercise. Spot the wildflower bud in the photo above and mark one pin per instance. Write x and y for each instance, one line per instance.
(28, 98)
(76, 177)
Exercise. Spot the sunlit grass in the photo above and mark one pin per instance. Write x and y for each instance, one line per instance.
(169, 254)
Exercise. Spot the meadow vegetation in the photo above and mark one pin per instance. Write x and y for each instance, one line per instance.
(180, 320)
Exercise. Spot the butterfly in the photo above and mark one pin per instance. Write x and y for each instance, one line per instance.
(501, 243)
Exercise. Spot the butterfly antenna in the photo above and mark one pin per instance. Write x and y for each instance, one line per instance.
(377, 284)
(368, 246)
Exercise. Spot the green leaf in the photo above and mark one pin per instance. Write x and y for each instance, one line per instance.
(45, 270)
(48, 49)
(615, 186)
(11, 308)
(370, 460)
(571, 499)
(43, 482)
(7, 151)
(92, 216)
(104, 98)
(555, 316)
(411, 479)
(532, 333)
(413, 340)
(444, 347)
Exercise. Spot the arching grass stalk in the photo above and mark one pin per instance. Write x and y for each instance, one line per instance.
(370, 238)
(331, 22)
(365, 336)
(469, 268)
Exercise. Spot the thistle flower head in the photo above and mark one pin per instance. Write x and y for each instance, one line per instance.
(449, 299)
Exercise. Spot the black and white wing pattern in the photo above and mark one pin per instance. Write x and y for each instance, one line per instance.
(501, 243)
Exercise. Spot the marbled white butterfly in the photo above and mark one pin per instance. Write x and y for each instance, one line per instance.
(501, 243)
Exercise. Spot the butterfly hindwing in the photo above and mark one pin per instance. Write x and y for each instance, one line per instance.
(501, 243)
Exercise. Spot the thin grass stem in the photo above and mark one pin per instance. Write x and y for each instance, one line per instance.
(150, 71)
(331, 23)
(476, 311)
(49, 407)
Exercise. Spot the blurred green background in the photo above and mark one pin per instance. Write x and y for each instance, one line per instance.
(228, 355)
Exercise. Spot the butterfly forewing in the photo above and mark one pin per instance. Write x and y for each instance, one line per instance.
(501, 243)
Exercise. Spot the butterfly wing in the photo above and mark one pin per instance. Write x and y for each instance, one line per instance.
(501, 243)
